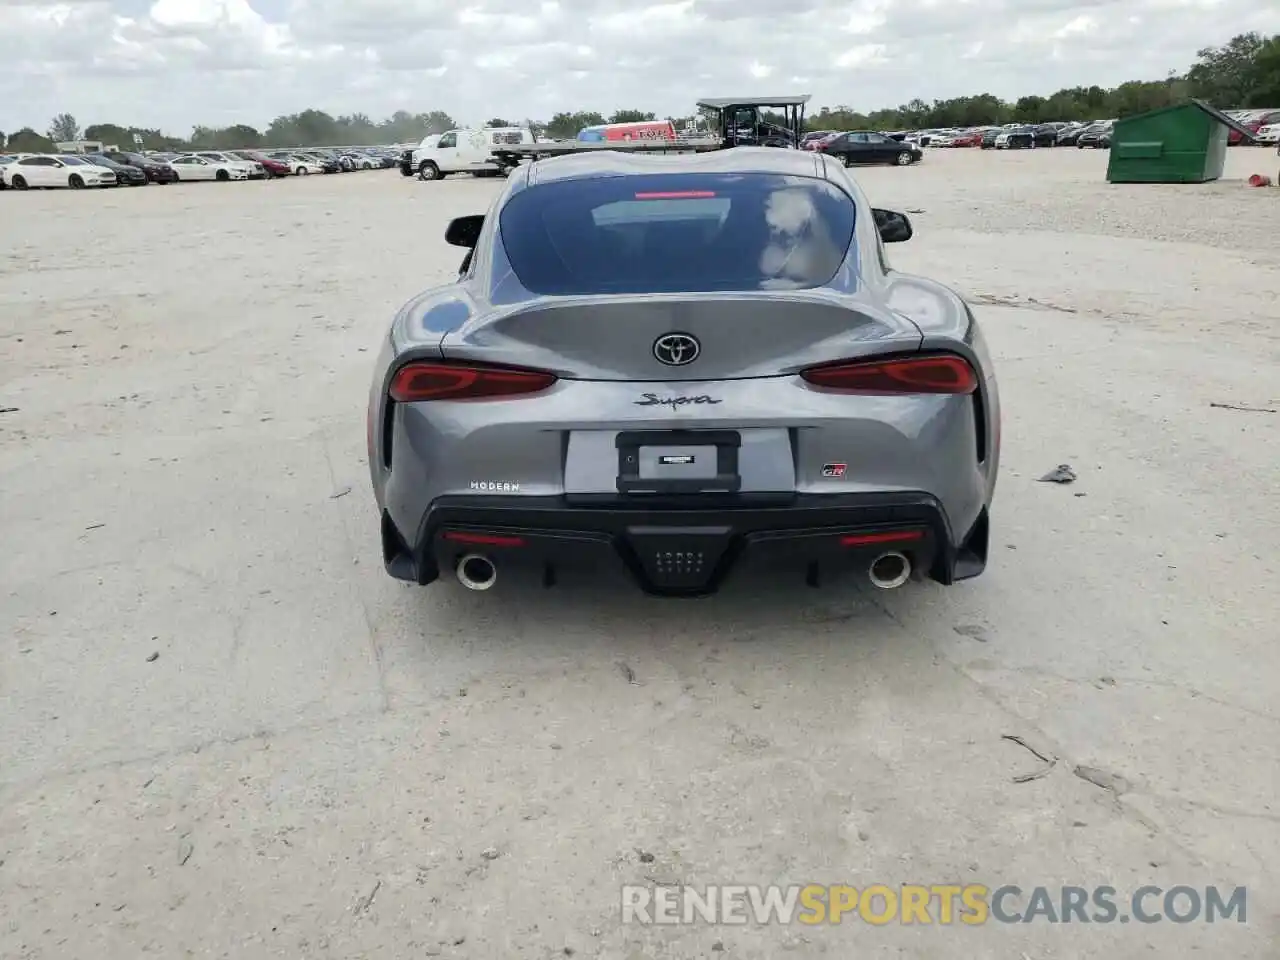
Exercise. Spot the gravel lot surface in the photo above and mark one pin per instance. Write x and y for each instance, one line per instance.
(225, 732)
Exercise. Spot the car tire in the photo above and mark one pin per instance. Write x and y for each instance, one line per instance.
(18, 182)
(76, 182)
(428, 171)
(903, 159)
(222, 176)
(302, 171)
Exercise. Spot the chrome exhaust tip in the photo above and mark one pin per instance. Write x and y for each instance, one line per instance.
(476, 572)
(889, 570)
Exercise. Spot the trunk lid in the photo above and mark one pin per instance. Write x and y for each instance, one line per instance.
(744, 336)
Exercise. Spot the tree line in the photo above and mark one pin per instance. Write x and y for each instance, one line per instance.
(1243, 72)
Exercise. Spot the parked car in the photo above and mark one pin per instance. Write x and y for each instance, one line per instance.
(1253, 121)
(812, 139)
(303, 166)
(126, 175)
(156, 171)
(1016, 138)
(1045, 134)
(587, 282)
(344, 163)
(1268, 134)
(1096, 137)
(195, 167)
(989, 137)
(256, 170)
(360, 161)
(326, 159)
(968, 138)
(328, 163)
(272, 167)
(46, 170)
(5, 160)
(1068, 135)
(859, 147)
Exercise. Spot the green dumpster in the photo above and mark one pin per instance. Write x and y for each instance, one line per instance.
(1183, 143)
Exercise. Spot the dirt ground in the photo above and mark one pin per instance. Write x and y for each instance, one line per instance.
(225, 732)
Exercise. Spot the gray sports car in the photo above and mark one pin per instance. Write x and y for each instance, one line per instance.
(679, 368)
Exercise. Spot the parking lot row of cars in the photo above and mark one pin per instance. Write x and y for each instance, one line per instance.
(1096, 134)
(114, 168)
(1265, 125)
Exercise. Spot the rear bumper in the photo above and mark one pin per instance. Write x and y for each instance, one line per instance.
(669, 550)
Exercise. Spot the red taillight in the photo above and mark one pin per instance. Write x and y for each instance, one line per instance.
(677, 195)
(890, 536)
(416, 382)
(928, 374)
(483, 539)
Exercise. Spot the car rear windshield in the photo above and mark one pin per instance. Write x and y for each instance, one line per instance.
(677, 234)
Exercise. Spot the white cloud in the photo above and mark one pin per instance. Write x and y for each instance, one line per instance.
(176, 63)
(1080, 26)
(865, 54)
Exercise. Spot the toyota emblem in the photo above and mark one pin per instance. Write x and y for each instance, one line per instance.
(676, 349)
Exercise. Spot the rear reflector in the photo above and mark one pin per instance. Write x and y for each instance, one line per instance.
(483, 539)
(416, 382)
(938, 373)
(888, 536)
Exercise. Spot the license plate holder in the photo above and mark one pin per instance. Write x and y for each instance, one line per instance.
(678, 461)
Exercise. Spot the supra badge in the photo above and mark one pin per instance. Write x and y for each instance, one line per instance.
(653, 400)
(834, 469)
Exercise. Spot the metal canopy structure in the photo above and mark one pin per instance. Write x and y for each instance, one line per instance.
(719, 103)
(741, 123)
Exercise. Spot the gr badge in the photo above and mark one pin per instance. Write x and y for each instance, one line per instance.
(833, 469)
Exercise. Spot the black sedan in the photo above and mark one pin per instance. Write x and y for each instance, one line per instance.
(126, 175)
(1096, 137)
(152, 168)
(1046, 134)
(860, 147)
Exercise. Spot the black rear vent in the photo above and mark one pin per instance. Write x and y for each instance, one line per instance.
(980, 425)
(388, 431)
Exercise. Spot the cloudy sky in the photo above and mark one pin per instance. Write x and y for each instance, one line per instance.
(175, 63)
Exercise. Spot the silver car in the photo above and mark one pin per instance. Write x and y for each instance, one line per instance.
(680, 369)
